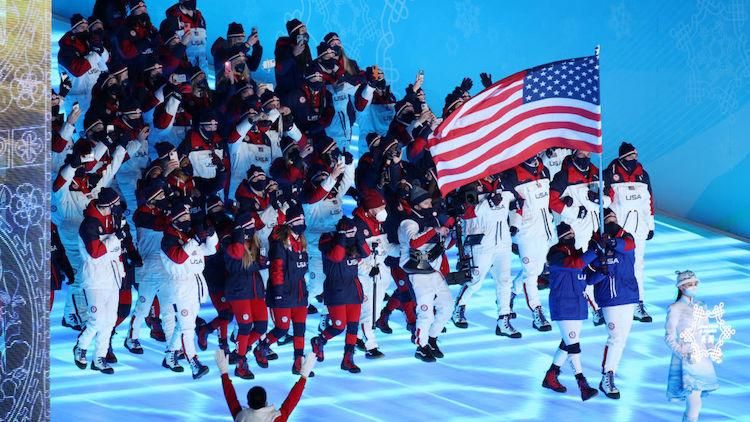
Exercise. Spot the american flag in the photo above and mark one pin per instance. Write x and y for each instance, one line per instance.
(552, 105)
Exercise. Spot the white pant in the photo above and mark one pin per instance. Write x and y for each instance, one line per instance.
(496, 262)
(102, 317)
(619, 319)
(533, 255)
(152, 284)
(638, 265)
(366, 316)
(431, 291)
(570, 331)
(187, 297)
(75, 300)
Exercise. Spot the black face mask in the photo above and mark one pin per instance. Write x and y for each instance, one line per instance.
(136, 124)
(299, 229)
(532, 162)
(209, 134)
(259, 185)
(611, 229)
(240, 68)
(582, 162)
(568, 241)
(162, 204)
(407, 116)
(156, 80)
(117, 210)
(315, 86)
(183, 226)
(629, 165)
(113, 91)
(101, 137)
(328, 63)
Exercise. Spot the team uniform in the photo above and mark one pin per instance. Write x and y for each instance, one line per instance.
(571, 271)
(633, 204)
(184, 259)
(490, 218)
(101, 274)
(418, 232)
(534, 231)
(617, 296)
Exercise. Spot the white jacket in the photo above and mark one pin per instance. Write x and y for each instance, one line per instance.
(492, 221)
(631, 202)
(264, 414)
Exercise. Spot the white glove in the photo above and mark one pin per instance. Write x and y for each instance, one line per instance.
(223, 363)
(308, 363)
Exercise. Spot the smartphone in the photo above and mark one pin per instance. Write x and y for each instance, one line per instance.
(76, 107)
(180, 78)
(227, 68)
(253, 31)
(421, 72)
(110, 128)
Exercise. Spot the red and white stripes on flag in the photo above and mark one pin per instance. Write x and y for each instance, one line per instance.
(514, 119)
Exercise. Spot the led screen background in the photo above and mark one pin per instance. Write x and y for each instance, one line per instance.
(24, 136)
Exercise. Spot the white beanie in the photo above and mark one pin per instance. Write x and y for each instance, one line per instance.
(684, 277)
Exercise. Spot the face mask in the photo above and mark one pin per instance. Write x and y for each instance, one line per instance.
(259, 185)
(304, 38)
(629, 165)
(118, 210)
(533, 162)
(183, 226)
(337, 50)
(162, 204)
(582, 162)
(136, 124)
(299, 229)
(208, 134)
(611, 229)
(407, 117)
(381, 216)
(568, 241)
(690, 291)
(328, 63)
(315, 86)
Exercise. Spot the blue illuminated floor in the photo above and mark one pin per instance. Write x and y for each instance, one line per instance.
(483, 377)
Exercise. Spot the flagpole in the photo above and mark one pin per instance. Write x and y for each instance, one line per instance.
(601, 159)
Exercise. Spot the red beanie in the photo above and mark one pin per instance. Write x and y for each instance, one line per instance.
(372, 199)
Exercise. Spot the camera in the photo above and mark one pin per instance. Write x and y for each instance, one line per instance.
(457, 200)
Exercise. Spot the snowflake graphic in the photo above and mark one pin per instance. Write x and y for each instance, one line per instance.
(27, 205)
(701, 336)
(29, 147)
(619, 20)
(467, 18)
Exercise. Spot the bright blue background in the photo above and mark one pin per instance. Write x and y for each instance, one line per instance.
(675, 74)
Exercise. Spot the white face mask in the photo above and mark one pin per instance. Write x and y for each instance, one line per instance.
(381, 215)
(690, 291)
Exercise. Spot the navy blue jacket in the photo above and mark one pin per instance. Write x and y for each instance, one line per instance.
(242, 283)
(341, 285)
(286, 287)
(620, 287)
(570, 272)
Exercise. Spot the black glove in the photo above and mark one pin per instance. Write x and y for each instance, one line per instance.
(71, 277)
(486, 79)
(97, 46)
(549, 152)
(210, 231)
(372, 78)
(73, 160)
(594, 246)
(216, 160)
(135, 258)
(568, 201)
(391, 261)
(374, 271)
(466, 84)
(120, 234)
(496, 198)
(516, 204)
(611, 242)
(288, 121)
(94, 179)
(650, 235)
(66, 84)
(122, 140)
(582, 212)
(348, 158)
(513, 230)
(514, 248)
(593, 197)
